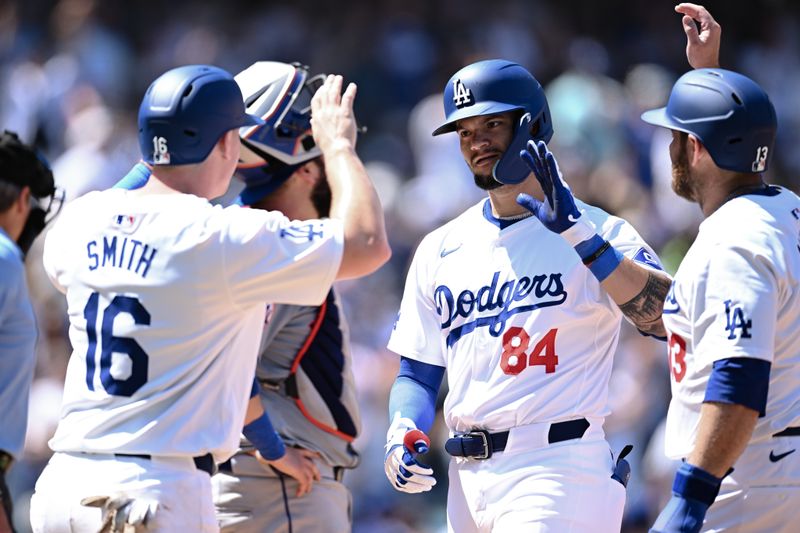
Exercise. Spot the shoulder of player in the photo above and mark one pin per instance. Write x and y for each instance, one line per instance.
(9, 251)
(75, 211)
(463, 223)
(10, 263)
(85, 203)
(604, 222)
(747, 218)
(743, 233)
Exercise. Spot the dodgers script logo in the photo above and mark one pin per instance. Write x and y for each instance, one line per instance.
(547, 289)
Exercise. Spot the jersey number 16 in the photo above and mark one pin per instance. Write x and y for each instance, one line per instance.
(111, 344)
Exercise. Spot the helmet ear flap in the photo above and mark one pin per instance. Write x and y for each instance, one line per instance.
(510, 169)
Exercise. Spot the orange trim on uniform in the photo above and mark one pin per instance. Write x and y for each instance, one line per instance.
(321, 425)
(314, 330)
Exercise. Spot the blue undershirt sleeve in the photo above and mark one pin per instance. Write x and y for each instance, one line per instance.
(414, 392)
(740, 380)
(136, 177)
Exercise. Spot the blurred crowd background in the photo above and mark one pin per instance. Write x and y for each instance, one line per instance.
(72, 73)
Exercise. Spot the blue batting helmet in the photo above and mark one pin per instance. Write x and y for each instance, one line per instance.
(728, 112)
(279, 93)
(497, 86)
(185, 112)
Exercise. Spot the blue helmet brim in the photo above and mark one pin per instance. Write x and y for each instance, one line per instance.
(250, 120)
(482, 108)
(660, 117)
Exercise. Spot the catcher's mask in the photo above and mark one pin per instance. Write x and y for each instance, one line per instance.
(24, 166)
(279, 93)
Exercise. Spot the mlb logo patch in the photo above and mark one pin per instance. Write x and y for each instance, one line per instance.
(646, 258)
(126, 223)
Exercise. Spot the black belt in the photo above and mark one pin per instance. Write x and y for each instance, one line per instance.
(337, 471)
(788, 432)
(481, 444)
(202, 462)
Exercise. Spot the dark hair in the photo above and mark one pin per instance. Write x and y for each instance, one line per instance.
(21, 166)
(9, 192)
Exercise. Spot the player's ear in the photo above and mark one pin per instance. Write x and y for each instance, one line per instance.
(229, 145)
(22, 203)
(309, 172)
(695, 150)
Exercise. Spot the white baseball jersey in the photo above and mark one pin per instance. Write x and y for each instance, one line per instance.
(737, 294)
(523, 327)
(166, 300)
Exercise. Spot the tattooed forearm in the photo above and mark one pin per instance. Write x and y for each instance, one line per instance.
(644, 309)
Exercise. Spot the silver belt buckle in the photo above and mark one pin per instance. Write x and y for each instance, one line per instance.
(487, 446)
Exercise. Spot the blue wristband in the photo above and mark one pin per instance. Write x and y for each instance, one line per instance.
(599, 256)
(586, 249)
(264, 437)
(694, 483)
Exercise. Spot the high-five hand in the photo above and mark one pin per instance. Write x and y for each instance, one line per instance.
(702, 48)
(558, 212)
(333, 123)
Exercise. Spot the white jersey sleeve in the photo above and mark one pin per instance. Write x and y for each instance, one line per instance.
(417, 329)
(736, 318)
(622, 236)
(265, 251)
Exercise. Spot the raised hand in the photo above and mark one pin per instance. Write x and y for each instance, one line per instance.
(558, 212)
(402, 468)
(333, 123)
(299, 464)
(702, 48)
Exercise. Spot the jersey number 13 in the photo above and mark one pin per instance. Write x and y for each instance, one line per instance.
(111, 344)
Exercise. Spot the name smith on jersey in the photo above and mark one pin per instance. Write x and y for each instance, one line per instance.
(121, 252)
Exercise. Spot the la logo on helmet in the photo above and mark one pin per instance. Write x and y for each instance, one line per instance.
(461, 95)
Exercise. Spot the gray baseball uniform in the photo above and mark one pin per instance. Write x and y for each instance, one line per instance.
(309, 393)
